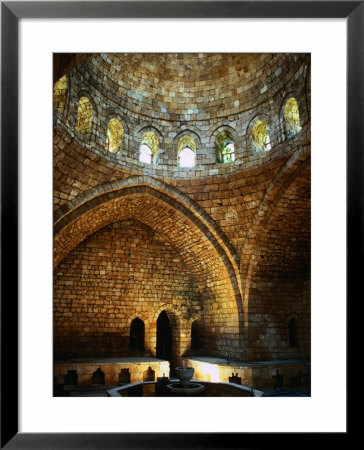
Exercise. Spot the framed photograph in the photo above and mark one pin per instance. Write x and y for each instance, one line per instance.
(167, 230)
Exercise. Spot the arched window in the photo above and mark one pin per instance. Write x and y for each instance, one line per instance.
(186, 151)
(291, 117)
(260, 135)
(224, 144)
(292, 330)
(136, 338)
(84, 116)
(59, 94)
(196, 335)
(114, 136)
(187, 157)
(149, 148)
(146, 154)
(228, 153)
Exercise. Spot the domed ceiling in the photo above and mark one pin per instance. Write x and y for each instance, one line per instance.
(189, 86)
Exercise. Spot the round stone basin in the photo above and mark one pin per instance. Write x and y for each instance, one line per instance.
(186, 389)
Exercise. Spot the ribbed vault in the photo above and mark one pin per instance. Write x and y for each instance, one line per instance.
(172, 196)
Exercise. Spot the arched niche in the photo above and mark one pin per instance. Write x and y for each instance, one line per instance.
(136, 336)
(164, 345)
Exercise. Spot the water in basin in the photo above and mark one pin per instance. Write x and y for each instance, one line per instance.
(153, 389)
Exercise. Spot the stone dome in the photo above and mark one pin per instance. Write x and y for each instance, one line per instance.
(190, 86)
(214, 99)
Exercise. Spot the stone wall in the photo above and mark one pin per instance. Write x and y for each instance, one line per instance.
(123, 271)
(110, 369)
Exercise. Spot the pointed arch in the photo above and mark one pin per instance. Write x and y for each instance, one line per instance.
(224, 143)
(95, 196)
(186, 144)
(186, 226)
(186, 151)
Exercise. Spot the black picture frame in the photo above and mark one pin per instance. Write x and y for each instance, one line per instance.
(11, 12)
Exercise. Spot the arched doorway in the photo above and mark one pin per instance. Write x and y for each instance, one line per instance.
(196, 336)
(136, 338)
(164, 338)
(292, 329)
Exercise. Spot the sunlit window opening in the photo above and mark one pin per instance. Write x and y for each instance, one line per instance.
(228, 152)
(260, 135)
(267, 145)
(149, 148)
(292, 117)
(145, 154)
(187, 157)
(59, 94)
(186, 152)
(114, 136)
(224, 144)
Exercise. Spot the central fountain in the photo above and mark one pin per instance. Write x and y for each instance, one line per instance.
(185, 387)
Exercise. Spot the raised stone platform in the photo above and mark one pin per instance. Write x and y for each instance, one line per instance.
(111, 367)
(264, 375)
